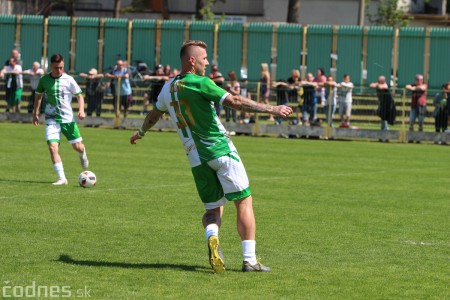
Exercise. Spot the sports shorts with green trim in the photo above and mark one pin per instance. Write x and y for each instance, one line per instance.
(70, 130)
(221, 179)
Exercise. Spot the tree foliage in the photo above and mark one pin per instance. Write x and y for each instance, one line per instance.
(204, 11)
(389, 14)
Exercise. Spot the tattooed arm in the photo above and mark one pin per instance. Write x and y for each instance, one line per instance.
(238, 102)
(150, 120)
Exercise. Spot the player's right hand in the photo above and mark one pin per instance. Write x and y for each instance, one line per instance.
(135, 137)
(35, 120)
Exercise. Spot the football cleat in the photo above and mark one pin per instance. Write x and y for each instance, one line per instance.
(60, 182)
(258, 267)
(215, 255)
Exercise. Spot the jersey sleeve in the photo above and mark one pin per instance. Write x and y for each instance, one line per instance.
(212, 92)
(165, 93)
(40, 86)
(74, 87)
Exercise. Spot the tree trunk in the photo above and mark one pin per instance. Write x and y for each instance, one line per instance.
(117, 4)
(198, 6)
(293, 14)
(165, 10)
(71, 8)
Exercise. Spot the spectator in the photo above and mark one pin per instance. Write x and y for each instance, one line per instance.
(14, 85)
(345, 101)
(123, 73)
(234, 88)
(168, 72)
(34, 74)
(59, 117)
(156, 83)
(309, 95)
(418, 102)
(320, 91)
(264, 89)
(441, 110)
(330, 96)
(14, 54)
(218, 79)
(246, 117)
(293, 93)
(282, 89)
(386, 105)
(94, 91)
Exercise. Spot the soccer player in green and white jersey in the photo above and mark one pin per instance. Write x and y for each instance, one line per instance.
(217, 168)
(59, 118)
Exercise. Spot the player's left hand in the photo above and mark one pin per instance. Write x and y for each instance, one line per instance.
(283, 111)
(81, 115)
(135, 137)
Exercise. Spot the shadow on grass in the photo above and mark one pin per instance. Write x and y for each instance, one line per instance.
(92, 263)
(23, 181)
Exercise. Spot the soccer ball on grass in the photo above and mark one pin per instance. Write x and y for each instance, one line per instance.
(87, 179)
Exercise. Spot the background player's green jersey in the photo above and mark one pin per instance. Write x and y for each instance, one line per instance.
(190, 99)
(59, 97)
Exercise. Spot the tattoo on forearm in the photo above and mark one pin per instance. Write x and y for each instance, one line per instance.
(247, 105)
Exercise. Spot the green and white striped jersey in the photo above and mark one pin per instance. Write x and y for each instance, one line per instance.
(59, 97)
(190, 99)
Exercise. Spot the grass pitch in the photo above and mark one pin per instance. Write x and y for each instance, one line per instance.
(336, 220)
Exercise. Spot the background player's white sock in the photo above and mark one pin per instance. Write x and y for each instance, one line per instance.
(248, 251)
(59, 170)
(211, 229)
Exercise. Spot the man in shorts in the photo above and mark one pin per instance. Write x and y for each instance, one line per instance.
(218, 171)
(59, 88)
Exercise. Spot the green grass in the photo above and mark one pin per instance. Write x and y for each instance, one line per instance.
(340, 220)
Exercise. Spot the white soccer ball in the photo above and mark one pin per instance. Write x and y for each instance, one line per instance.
(87, 179)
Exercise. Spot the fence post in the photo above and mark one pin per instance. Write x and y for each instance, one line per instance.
(129, 39)
(101, 42)
(17, 36)
(304, 51)
(73, 41)
(187, 24)
(364, 59)
(426, 55)
(273, 54)
(244, 66)
(395, 61)
(255, 128)
(158, 42)
(216, 42)
(45, 44)
(334, 54)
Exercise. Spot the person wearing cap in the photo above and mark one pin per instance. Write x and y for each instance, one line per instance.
(93, 92)
(218, 79)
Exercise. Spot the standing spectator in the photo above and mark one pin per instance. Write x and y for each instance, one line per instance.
(234, 88)
(14, 85)
(309, 95)
(218, 79)
(320, 90)
(122, 72)
(264, 89)
(34, 74)
(386, 105)
(246, 117)
(293, 93)
(14, 54)
(330, 88)
(345, 101)
(94, 91)
(156, 83)
(59, 117)
(418, 101)
(441, 109)
(218, 170)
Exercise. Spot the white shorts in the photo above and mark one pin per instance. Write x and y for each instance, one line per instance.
(70, 130)
(222, 179)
